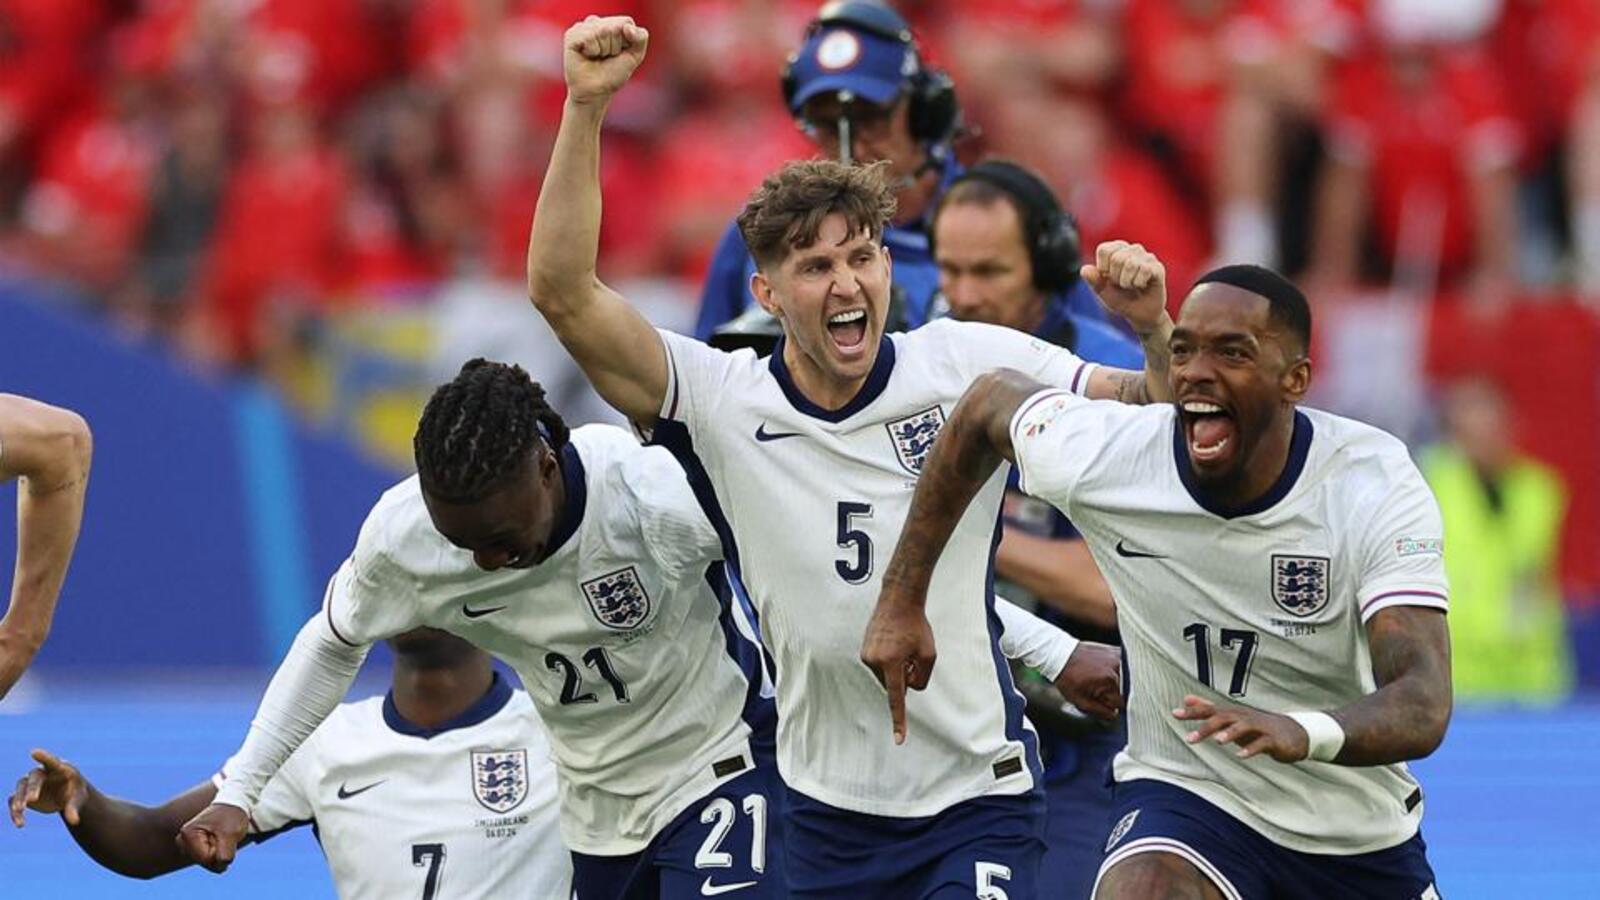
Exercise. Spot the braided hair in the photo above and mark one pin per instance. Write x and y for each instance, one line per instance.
(476, 431)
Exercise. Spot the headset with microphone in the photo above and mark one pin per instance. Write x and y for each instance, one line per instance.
(934, 113)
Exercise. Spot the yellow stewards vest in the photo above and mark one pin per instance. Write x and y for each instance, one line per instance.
(1507, 625)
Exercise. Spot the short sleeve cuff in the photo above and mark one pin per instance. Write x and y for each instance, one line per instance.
(1430, 597)
(1081, 378)
(671, 401)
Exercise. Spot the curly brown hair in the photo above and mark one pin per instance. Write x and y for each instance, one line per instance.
(786, 212)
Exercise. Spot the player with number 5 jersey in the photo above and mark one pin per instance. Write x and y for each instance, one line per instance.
(805, 463)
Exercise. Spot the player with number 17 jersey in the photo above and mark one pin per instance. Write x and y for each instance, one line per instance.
(1264, 605)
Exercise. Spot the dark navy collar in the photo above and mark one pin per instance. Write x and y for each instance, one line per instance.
(577, 491)
(492, 701)
(877, 380)
(1299, 449)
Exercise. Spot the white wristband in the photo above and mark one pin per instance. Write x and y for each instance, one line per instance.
(1323, 734)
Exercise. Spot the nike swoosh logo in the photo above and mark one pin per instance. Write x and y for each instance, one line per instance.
(346, 794)
(1123, 551)
(707, 889)
(763, 435)
(471, 613)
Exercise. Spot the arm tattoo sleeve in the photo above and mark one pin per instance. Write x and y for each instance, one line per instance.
(1405, 718)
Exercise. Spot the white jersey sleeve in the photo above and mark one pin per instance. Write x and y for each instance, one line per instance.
(371, 598)
(977, 348)
(696, 375)
(287, 800)
(1058, 439)
(1402, 549)
(307, 687)
(1033, 641)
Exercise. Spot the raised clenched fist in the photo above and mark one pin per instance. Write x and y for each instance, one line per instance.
(599, 55)
(1130, 281)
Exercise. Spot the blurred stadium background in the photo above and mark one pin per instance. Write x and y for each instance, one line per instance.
(244, 237)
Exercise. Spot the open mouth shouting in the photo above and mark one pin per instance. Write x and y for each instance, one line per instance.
(1210, 432)
(848, 331)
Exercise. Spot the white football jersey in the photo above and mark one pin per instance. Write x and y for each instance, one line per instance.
(464, 811)
(1263, 606)
(619, 636)
(810, 504)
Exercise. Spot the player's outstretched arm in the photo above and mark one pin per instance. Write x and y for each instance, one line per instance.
(1131, 282)
(614, 345)
(50, 448)
(1404, 719)
(127, 838)
(308, 685)
(898, 645)
(1089, 675)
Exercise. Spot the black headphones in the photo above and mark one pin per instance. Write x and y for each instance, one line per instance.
(935, 114)
(1051, 234)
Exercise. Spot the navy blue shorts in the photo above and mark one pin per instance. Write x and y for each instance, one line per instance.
(1079, 799)
(986, 848)
(729, 842)
(1155, 817)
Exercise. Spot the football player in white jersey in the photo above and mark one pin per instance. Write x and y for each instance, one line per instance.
(584, 560)
(443, 789)
(804, 464)
(1280, 591)
(50, 448)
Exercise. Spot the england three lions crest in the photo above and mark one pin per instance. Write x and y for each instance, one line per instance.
(618, 599)
(500, 778)
(1300, 583)
(913, 437)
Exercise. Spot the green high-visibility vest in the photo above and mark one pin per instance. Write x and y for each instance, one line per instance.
(1508, 635)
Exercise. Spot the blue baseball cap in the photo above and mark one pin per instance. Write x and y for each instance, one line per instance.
(838, 57)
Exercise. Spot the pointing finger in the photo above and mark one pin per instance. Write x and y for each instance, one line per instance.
(894, 682)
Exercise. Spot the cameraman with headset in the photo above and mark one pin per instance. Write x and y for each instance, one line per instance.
(1008, 254)
(860, 90)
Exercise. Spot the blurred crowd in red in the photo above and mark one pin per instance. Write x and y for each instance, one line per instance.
(217, 169)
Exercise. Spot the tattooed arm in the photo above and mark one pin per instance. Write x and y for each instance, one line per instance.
(898, 646)
(1403, 719)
